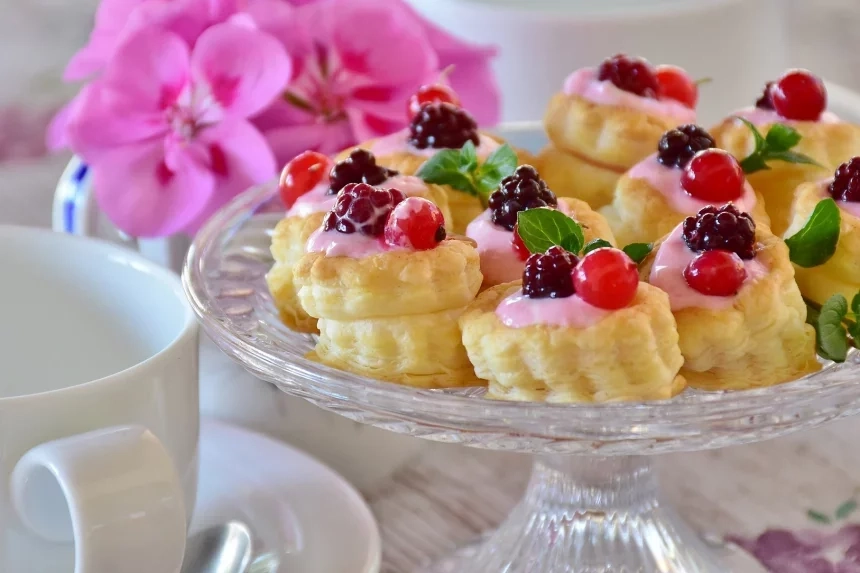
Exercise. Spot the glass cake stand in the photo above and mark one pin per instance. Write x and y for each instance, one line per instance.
(593, 503)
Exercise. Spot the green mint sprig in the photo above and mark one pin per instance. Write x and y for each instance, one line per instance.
(461, 170)
(836, 326)
(815, 243)
(541, 229)
(775, 146)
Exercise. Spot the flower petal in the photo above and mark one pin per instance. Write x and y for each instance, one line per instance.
(143, 198)
(244, 68)
(148, 72)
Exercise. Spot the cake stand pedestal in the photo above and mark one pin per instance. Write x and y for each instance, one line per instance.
(592, 505)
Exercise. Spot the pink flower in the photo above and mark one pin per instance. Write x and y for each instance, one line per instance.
(165, 126)
(356, 63)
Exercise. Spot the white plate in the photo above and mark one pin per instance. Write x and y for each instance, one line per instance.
(296, 507)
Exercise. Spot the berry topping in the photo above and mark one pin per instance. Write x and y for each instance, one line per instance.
(301, 174)
(606, 278)
(362, 208)
(677, 146)
(549, 275)
(359, 167)
(799, 95)
(716, 273)
(725, 228)
(846, 182)
(674, 83)
(433, 93)
(713, 175)
(519, 246)
(522, 190)
(633, 75)
(415, 223)
(442, 126)
(765, 101)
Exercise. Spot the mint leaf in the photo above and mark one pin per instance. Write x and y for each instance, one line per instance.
(459, 168)
(781, 137)
(543, 228)
(468, 157)
(817, 516)
(846, 509)
(855, 304)
(776, 146)
(832, 338)
(638, 251)
(595, 244)
(573, 242)
(816, 242)
(503, 160)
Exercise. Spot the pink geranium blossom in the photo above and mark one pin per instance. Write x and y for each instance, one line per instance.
(165, 126)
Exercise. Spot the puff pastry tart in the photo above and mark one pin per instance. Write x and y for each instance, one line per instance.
(502, 252)
(740, 315)
(605, 120)
(685, 175)
(840, 274)
(575, 331)
(309, 186)
(388, 287)
(798, 99)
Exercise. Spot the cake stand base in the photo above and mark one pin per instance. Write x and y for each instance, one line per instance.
(584, 514)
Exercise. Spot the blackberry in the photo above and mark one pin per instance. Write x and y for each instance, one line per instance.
(359, 167)
(765, 101)
(846, 182)
(550, 274)
(518, 192)
(362, 208)
(633, 75)
(677, 146)
(725, 228)
(442, 126)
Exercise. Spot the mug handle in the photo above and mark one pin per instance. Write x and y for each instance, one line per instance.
(125, 504)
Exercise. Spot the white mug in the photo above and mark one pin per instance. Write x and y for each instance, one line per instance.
(98, 408)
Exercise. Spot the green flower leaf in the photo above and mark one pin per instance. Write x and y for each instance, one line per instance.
(595, 244)
(638, 251)
(846, 509)
(461, 170)
(818, 516)
(832, 337)
(543, 228)
(816, 242)
(776, 146)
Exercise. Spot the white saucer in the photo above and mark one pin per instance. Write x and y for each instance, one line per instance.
(296, 507)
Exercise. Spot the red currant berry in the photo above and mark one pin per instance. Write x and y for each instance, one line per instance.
(519, 246)
(301, 174)
(415, 223)
(434, 93)
(713, 175)
(716, 273)
(606, 278)
(674, 83)
(799, 95)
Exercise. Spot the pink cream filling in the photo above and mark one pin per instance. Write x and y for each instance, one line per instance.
(318, 199)
(353, 245)
(667, 181)
(518, 311)
(758, 116)
(397, 142)
(667, 274)
(584, 83)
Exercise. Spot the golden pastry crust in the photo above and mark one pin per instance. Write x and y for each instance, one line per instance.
(642, 214)
(569, 175)
(594, 225)
(464, 208)
(840, 274)
(631, 354)
(761, 340)
(828, 143)
(423, 350)
(288, 246)
(390, 283)
(618, 137)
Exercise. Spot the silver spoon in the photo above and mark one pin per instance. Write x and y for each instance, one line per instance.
(221, 549)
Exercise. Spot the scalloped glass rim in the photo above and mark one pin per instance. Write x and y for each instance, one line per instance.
(259, 342)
